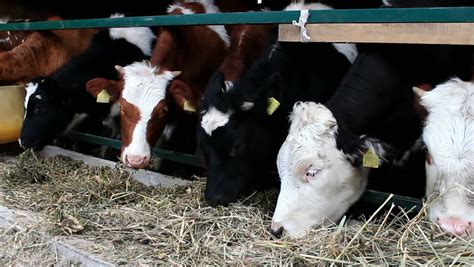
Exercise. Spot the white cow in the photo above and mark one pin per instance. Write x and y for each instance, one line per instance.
(318, 181)
(449, 137)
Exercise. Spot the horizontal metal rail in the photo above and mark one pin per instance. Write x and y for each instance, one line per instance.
(112, 143)
(384, 15)
(376, 197)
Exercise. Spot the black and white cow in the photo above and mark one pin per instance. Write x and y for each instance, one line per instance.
(448, 134)
(54, 104)
(321, 162)
(239, 134)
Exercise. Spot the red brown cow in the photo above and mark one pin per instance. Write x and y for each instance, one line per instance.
(153, 93)
(247, 44)
(42, 53)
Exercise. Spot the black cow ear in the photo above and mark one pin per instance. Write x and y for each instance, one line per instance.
(370, 153)
(362, 151)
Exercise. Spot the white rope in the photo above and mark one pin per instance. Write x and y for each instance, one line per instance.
(304, 15)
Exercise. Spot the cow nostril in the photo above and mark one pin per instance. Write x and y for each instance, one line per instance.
(277, 233)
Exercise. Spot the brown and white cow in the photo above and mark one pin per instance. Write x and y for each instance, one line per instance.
(42, 53)
(151, 94)
(449, 138)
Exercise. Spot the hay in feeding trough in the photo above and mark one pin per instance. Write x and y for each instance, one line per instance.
(174, 225)
(21, 247)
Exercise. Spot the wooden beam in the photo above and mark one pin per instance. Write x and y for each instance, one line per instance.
(410, 33)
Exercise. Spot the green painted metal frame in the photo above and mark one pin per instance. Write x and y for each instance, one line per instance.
(376, 197)
(112, 143)
(389, 15)
(392, 15)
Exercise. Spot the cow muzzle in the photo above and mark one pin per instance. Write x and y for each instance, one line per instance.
(136, 161)
(456, 226)
(276, 230)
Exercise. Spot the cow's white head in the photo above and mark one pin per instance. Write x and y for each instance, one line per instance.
(449, 138)
(318, 181)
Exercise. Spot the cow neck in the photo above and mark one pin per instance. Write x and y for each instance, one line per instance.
(184, 49)
(247, 44)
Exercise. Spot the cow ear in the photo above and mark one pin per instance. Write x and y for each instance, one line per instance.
(217, 84)
(119, 70)
(99, 85)
(371, 153)
(420, 109)
(182, 95)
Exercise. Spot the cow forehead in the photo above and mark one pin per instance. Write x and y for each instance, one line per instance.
(214, 119)
(454, 96)
(144, 88)
(450, 141)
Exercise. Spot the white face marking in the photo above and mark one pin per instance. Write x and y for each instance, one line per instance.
(144, 89)
(30, 90)
(142, 37)
(214, 119)
(209, 8)
(318, 184)
(348, 50)
(449, 137)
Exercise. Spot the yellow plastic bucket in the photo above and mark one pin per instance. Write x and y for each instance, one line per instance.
(11, 112)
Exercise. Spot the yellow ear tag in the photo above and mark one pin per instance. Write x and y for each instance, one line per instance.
(103, 97)
(188, 107)
(273, 104)
(370, 160)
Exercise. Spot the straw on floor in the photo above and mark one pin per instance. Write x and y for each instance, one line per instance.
(175, 226)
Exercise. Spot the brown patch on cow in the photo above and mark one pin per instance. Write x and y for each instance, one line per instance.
(180, 92)
(157, 123)
(114, 88)
(247, 44)
(129, 116)
(42, 53)
(12, 39)
(420, 110)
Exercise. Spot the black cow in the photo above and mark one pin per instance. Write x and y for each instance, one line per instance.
(238, 137)
(54, 103)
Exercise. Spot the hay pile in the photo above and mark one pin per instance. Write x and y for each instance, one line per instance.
(27, 249)
(174, 225)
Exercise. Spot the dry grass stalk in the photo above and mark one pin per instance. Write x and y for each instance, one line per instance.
(174, 225)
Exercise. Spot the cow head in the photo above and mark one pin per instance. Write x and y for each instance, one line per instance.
(141, 94)
(236, 138)
(449, 138)
(319, 182)
(48, 112)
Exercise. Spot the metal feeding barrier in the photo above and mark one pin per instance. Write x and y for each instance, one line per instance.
(450, 25)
